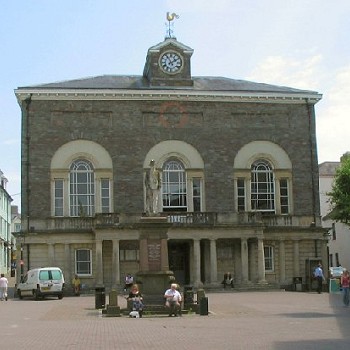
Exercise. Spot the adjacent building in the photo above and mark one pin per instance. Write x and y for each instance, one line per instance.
(5, 226)
(238, 176)
(338, 233)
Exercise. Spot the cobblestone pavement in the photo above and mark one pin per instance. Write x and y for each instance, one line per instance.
(237, 320)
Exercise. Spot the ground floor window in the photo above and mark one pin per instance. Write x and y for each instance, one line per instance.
(269, 254)
(129, 251)
(83, 262)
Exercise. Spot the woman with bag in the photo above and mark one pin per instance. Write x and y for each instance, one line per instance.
(345, 282)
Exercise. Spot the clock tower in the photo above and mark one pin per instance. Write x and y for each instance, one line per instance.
(169, 64)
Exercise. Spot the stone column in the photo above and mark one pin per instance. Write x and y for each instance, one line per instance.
(261, 262)
(67, 262)
(296, 259)
(238, 263)
(115, 264)
(197, 262)
(244, 259)
(282, 261)
(99, 265)
(213, 262)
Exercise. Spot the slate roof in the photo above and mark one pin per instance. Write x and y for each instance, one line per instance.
(328, 168)
(138, 82)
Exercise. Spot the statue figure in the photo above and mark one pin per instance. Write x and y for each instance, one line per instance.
(153, 184)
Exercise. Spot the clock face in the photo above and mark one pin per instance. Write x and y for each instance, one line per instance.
(171, 62)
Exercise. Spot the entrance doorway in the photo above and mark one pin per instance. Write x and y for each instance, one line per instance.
(179, 261)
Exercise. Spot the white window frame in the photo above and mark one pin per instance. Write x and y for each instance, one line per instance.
(262, 187)
(77, 208)
(103, 198)
(89, 262)
(58, 199)
(269, 254)
(178, 188)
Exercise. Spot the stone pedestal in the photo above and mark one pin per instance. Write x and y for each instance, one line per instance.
(154, 275)
(112, 310)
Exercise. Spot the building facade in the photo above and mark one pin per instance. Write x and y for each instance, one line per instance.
(238, 175)
(5, 226)
(338, 233)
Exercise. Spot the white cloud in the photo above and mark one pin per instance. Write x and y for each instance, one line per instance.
(332, 112)
(279, 70)
(333, 124)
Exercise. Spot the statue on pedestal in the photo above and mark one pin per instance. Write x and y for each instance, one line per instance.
(153, 184)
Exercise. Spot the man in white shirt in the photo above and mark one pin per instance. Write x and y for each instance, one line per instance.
(3, 287)
(173, 300)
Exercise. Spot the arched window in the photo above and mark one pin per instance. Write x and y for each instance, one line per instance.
(81, 188)
(262, 187)
(174, 192)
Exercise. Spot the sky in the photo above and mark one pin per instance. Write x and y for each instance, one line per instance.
(302, 44)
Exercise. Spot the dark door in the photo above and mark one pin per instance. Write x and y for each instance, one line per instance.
(179, 261)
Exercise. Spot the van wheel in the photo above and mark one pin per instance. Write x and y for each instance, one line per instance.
(19, 294)
(60, 296)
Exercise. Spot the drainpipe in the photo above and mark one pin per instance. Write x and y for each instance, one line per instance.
(27, 102)
(313, 155)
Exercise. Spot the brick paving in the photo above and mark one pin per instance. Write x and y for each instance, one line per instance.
(237, 320)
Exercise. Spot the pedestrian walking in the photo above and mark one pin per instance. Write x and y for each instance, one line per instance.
(3, 287)
(318, 274)
(345, 282)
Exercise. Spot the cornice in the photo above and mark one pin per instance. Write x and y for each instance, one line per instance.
(165, 95)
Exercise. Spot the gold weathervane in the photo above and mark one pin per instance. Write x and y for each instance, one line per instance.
(170, 17)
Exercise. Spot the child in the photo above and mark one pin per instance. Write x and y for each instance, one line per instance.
(137, 300)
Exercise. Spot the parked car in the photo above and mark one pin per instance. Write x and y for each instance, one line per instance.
(41, 282)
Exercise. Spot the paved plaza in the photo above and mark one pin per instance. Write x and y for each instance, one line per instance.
(237, 320)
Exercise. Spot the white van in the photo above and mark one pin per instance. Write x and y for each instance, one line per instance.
(41, 282)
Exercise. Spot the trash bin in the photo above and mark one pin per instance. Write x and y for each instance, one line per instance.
(334, 285)
(203, 306)
(100, 297)
(298, 284)
(188, 296)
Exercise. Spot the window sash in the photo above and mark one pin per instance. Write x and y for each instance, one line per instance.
(269, 258)
(83, 262)
(174, 191)
(241, 193)
(105, 196)
(82, 189)
(262, 187)
(129, 255)
(197, 194)
(58, 197)
(284, 196)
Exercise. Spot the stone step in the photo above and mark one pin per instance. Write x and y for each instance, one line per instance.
(244, 288)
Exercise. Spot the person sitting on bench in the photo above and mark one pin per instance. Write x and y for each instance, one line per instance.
(228, 280)
(136, 300)
(173, 300)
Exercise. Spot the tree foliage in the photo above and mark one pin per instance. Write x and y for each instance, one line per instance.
(340, 194)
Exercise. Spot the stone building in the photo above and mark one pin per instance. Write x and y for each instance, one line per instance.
(238, 176)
